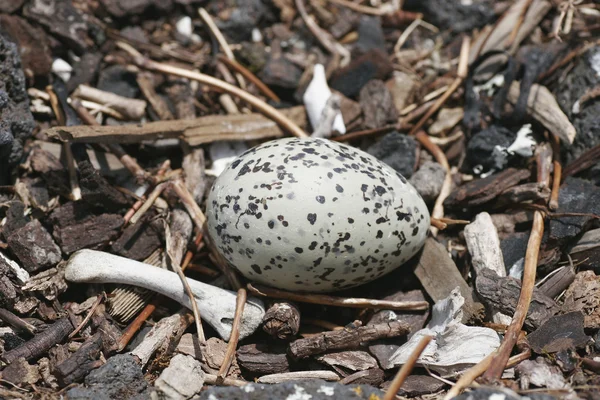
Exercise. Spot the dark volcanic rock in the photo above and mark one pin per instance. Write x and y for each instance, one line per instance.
(575, 196)
(370, 34)
(280, 72)
(62, 20)
(242, 19)
(16, 121)
(377, 105)
(480, 150)
(455, 16)
(118, 80)
(374, 64)
(396, 150)
(314, 389)
(119, 8)
(579, 80)
(120, 378)
(489, 393)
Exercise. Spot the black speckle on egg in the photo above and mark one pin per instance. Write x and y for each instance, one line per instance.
(312, 218)
(321, 199)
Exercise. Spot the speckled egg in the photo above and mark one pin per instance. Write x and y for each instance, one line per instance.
(314, 215)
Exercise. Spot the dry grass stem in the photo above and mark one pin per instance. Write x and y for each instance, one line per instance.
(557, 175)
(66, 147)
(235, 335)
(499, 361)
(406, 369)
(337, 301)
(250, 76)
(148, 203)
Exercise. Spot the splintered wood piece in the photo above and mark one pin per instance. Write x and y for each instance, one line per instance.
(349, 337)
(542, 105)
(131, 108)
(502, 293)
(195, 131)
(439, 276)
(481, 191)
(299, 375)
(263, 358)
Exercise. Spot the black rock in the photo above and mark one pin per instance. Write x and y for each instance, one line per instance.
(575, 196)
(120, 378)
(85, 71)
(454, 16)
(281, 73)
(316, 389)
(370, 34)
(396, 150)
(119, 9)
(16, 121)
(242, 20)
(374, 64)
(117, 79)
(418, 385)
(480, 150)
(514, 248)
(62, 19)
(579, 80)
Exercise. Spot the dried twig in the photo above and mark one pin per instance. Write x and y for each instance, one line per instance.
(207, 19)
(325, 38)
(130, 108)
(385, 9)
(215, 83)
(60, 116)
(129, 162)
(404, 372)
(349, 337)
(158, 189)
(556, 176)
(174, 262)
(250, 76)
(235, 335)
(498, 362)
(190, 204)
(438, 208)
(469, 376)
(17, 323)
(337, 301)
(96, 304)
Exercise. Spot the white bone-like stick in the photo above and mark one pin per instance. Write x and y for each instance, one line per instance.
(216, 305)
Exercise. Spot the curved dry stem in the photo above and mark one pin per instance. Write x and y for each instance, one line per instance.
(143, 62)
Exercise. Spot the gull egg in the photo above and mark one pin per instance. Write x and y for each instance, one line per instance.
(314, 215)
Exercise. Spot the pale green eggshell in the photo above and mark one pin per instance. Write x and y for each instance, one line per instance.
(314, 215)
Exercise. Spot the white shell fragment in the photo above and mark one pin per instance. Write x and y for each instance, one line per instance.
(315, 99)
(62, 69)
(455, 346)
(314, 215)
(223, 153)
(216, 305)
